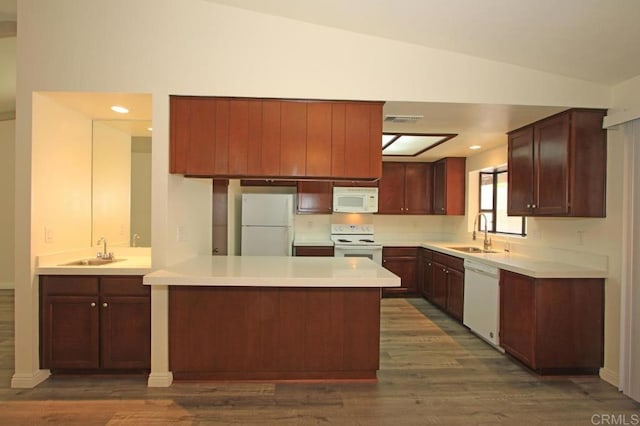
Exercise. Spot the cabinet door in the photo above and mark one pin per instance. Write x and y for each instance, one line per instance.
(439, 284)
(70, 332)
(391, 189)
(293, 139)
(125, 330)
(319, 123)
(417, 188)
(427, 286)
(551, 168)
(520, 176)
(517, 316)
(179, 133)
(439, 187)
(270, 159)
(402, 261)
(314, 251)
(238, 137)
(315, 197)
(455, 293)
(202, 134)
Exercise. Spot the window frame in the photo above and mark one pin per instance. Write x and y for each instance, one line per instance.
(493, 210)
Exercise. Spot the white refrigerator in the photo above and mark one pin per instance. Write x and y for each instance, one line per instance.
(267, 224)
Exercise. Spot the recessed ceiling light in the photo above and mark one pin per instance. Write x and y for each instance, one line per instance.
(119, 109)
(475, 147)
(411, 144)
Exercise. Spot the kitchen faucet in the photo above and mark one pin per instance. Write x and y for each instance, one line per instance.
(104, 254)
(487, 241)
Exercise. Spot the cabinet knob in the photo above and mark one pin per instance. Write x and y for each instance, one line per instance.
(429, 264)
(528, 206)
(533, 205)
(444, 270)
(105, 304)
(93, 304)
(442, 208)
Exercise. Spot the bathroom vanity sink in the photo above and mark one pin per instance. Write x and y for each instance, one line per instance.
(91, 262)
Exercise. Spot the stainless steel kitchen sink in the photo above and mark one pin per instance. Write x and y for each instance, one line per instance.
(91, 262)
(471, 249)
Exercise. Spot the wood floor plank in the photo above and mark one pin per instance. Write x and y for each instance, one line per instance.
(432, 371)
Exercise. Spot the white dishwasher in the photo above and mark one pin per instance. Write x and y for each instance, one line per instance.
(482, 300)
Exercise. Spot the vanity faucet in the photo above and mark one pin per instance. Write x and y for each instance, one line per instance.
(487, 241)
(104, 254)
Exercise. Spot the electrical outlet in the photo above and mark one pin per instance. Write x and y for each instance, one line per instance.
(181, 234)
(48, 235)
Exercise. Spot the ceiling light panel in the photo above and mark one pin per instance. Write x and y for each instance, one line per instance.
(412, 145)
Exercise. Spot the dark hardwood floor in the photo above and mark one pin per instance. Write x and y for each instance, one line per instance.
(433, 371)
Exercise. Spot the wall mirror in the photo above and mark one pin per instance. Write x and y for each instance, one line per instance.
(121, 182)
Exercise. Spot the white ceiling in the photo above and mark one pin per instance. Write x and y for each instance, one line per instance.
(595, 40)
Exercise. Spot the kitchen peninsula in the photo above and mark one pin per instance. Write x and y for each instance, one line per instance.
(267, 318)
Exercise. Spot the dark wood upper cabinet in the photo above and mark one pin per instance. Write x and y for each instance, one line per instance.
(405, 188)
(319, 139)
(293, 138)
(271, 138)
(391, 189)
(557, 166)
(315, 197)
(449, 186)
(202, 133)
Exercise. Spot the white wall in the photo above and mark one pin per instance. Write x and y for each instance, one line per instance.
(111, 188)
(7, 169)
(61, 186)
(209, 49)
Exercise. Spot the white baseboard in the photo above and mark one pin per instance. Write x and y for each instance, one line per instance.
(6, 286)
(28, 381)
(160, 380)
(610, 376)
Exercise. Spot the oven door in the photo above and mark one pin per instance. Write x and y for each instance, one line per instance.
(372, 252)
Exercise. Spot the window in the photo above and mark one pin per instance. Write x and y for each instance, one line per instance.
(493, 204)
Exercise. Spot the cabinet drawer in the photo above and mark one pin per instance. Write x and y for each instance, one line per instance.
(69, 285)
(426, 254)
(314, 251)
(450, 261)
(123, 286)
(399, 251)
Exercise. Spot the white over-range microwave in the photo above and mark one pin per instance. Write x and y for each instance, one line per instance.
(355, 199)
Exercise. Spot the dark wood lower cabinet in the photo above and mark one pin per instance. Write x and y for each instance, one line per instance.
(402, 261)
(326, 251)
(94, 323)
(443, 283)
(553, 325)
(273, 333)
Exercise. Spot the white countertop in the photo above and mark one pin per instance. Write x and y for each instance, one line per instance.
(135, 261)
(525, 265)
(275, 271)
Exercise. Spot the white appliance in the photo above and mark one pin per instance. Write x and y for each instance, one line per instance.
(355, 241)
(267, 224)
(482, 301)
(355, 199)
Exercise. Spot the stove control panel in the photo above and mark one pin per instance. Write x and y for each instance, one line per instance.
(352, 229)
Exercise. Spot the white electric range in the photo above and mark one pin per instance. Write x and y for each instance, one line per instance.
(355, 241)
